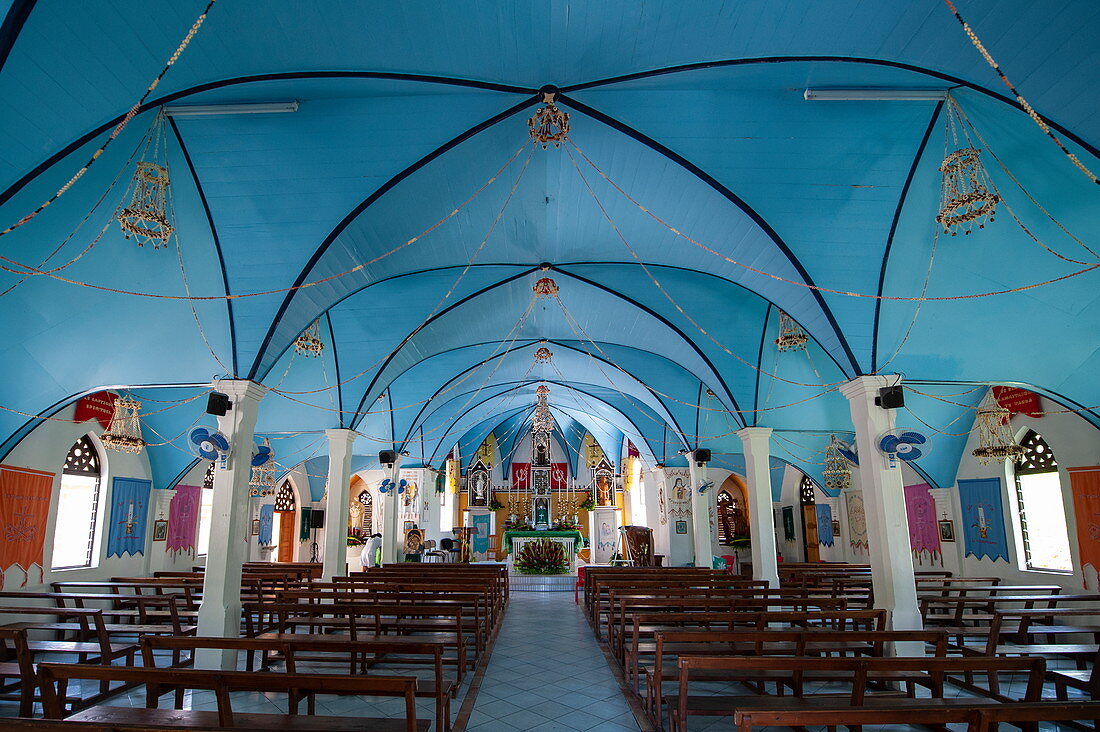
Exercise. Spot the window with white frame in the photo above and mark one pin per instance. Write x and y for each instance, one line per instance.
(1042, 512)
(77, 507)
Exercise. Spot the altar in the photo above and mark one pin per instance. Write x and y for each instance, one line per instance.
(513, 542)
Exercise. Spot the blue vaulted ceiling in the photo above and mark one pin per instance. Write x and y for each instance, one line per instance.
(700, 195)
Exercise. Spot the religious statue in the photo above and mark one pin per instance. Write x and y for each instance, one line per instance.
(603, 486)
(542, 454)
(481, 485)
(542, 512)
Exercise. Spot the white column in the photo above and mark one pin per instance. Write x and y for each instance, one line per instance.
(340, 442)
(702, 508)
(393, 535)
(756, 443)
(884, 500)
(220, 611)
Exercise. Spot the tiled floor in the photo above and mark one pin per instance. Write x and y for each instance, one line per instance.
(548, 673)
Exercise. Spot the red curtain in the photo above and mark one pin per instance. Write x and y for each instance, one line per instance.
(1085, 483)
(24, 509)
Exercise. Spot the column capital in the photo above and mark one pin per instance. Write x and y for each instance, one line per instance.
(863, 386)
(754, 434)
(337, 434)
(241, 388)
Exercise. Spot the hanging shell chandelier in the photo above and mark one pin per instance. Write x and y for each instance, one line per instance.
(543, 355)
(145, 218)
(837, 474)
(124, 433)
(309, 343)
(966, 195)
(545, 287)
(791, 336)
(995, 437)
(549, 125)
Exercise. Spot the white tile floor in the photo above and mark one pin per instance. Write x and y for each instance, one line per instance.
(547, 673)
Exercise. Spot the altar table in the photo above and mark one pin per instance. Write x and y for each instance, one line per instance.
(572, 542)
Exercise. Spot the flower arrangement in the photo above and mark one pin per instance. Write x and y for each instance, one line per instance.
(494, 504)
(354, 540)
(542, 557)
(588, 504)
(566, 525)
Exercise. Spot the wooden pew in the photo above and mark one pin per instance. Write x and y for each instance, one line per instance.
(978, 716)
(671, 645)
(371, 622)
(53, 678)
(292, 650)
(793, 673)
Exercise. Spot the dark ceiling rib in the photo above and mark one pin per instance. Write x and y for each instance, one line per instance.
(425, 324)
(953, 80)
(759, 366)
(383, 280)
(367, 203)
(662, 319)
(732, 198)
(237, 81)
(419, 424)
(513, 349)
(336, 365)
(678, 268)
(894, 227)
(13, 24)
(217, 242)
(528, 382)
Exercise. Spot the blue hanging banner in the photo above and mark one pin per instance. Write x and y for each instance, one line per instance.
(267, 519)
(825, 524)
(481, 539)
(983, 521)
(129, 510)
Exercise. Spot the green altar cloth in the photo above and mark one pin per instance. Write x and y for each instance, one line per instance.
(578, 539)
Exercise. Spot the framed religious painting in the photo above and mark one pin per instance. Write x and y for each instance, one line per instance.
(681, 527)
(255, 527)
(160, 530)
(947, 530)
(836, 527)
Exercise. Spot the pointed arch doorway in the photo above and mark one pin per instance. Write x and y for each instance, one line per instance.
(285, 505)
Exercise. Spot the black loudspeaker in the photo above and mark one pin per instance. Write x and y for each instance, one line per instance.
(317, 519)
(890, 397)
(387, 457)
(702, 455)
(218, 404)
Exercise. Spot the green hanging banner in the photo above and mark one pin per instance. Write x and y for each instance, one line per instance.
(304, 527)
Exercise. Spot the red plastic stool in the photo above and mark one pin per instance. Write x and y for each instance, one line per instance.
(578, 586)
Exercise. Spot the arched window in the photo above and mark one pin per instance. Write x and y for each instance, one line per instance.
(77, 507)
(806, 492)
(284, 500)
(731, 519)
(1042, 512)
(366, 523)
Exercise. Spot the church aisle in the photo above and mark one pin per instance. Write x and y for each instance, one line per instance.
(548, 673)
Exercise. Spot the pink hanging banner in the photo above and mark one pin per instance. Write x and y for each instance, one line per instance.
(924, 533)
(24, 508)
(183, 518)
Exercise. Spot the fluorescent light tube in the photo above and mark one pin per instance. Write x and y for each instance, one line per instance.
(875, 95)
(211, 110)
